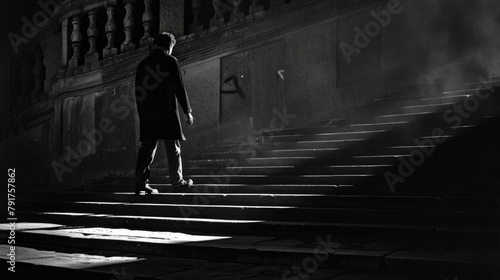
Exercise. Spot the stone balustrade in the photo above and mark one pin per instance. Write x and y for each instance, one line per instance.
(93, 30)
(102, 26)
(133, 22)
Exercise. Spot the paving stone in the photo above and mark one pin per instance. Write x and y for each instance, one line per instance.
(196, 274)
(354, 276)
(148, 267)
(286, 242)
(443, 264)
(229, 267)
(268, 271)
(377, 246)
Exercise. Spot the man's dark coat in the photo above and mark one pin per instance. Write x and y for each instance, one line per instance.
(158, 86)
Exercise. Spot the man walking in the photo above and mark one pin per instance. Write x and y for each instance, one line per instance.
(158, 87)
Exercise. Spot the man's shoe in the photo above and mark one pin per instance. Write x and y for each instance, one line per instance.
(183, 186)
(146, 188)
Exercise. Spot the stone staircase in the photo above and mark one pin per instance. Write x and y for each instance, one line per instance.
(367, 196)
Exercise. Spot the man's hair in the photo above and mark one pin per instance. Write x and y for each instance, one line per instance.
(165, 39)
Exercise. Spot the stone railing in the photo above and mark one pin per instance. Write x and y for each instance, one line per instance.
(96, 30)
(210, 14)
(92, 32)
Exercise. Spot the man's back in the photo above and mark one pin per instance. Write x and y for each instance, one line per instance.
(158, 87)
(154, 82)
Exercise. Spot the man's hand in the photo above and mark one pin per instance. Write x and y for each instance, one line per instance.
(189, 120)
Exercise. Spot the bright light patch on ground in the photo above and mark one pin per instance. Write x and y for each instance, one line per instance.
(162, 237)
(58, 259)
(28, 226)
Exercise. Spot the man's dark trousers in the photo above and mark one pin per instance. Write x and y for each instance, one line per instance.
(145, 158)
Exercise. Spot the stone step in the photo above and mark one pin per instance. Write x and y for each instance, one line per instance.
(426, 119)
(55, 262)
(329, 160)
(409, 109)
(416, 101)
(287, 179)
(220, 248)
(295, 161)
(416, 92)
(430, 203)
(343, 140)
(161, 183)
(52, 262)
(329, 127)
(448, 98)
(475, 264)
(420, 217)
(469, 104)
(337, 127)
(362, 125)
(394, 151)
(401, 235)
(282, 170)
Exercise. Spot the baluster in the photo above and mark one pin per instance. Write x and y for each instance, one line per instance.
(218, 17)
(196, 8)
(256, 7)
(44, 61)
(25, 75)
(93, 34)
(64, 43)
(76, 43)
(129, 24)
(236, 14)
(147, 22)
(38, 73)
(110, 50)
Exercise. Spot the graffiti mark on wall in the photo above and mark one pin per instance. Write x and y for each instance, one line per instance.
(232, 86)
